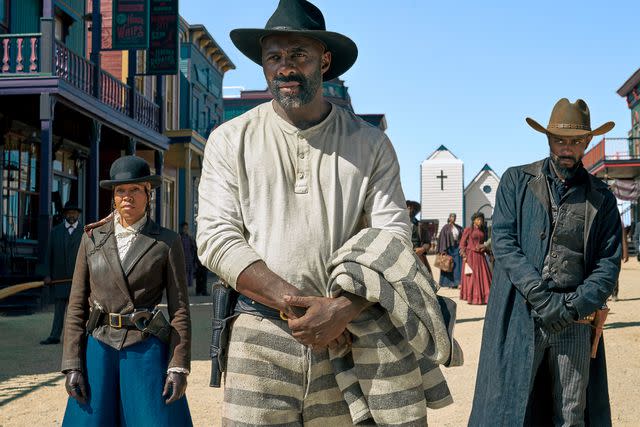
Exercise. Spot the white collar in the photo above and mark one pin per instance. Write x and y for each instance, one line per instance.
(131, 229)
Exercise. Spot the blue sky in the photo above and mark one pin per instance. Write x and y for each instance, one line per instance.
(464, 74)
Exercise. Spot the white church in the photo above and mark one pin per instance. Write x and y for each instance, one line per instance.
(442, 190)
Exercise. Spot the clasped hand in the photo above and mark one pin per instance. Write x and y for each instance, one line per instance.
(324, 322)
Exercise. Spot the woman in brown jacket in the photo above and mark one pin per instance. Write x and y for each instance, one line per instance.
(125, 363)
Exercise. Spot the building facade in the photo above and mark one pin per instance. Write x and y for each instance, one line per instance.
(480, 194)
(617, 159)
(441, 188)
(70, 107)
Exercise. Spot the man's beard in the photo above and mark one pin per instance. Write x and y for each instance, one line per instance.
(71, 220)
(563, 171)
(306, 91)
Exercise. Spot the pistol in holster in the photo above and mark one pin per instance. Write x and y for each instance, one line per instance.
(95, 317)
(224, 300)
(157, 326)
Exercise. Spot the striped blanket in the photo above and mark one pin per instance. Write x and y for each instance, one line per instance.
(390, 374)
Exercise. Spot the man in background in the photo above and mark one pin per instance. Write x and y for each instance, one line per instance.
(59, 263)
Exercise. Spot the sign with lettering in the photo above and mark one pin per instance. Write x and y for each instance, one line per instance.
(130, 24)
(162, 57)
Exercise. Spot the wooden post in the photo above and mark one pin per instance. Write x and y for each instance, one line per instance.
(96, 45)
(93, 188)
(47, 106)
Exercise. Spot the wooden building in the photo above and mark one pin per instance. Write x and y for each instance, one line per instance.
(441, 187)
(480, 194)
(69, 107)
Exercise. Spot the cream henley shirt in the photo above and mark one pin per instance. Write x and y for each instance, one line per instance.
(290, 197)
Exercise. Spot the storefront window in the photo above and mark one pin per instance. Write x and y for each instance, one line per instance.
(20, 175)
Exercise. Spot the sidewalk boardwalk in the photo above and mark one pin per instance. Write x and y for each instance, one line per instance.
(32, 389)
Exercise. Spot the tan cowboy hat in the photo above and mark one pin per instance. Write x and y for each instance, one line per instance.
(302, 18)
(570, 119)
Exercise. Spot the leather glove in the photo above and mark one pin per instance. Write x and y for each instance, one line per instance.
(550, 307)
(75, 386)
(176, 382)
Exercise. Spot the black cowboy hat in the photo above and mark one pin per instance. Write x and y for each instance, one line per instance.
(71, 206)
(130, 170)
(302, 18)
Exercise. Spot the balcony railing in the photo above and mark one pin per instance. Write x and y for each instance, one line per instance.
(115, 94)
(20, 53)
(146, 112)
(611, 149)
(73, 68)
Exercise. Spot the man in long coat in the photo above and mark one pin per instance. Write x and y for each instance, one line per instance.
(60, 261)
(556, 239)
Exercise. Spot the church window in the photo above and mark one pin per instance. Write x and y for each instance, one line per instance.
(486, 189)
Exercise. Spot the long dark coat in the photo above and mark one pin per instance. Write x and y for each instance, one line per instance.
(154, 265)
(521, 231)
(60, 259)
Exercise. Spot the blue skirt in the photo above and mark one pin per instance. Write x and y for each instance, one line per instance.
(125, 388)
(452, 279)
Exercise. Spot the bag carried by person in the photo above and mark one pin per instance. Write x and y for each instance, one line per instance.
(444, 262)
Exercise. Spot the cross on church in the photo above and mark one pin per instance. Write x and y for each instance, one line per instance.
(441, 177)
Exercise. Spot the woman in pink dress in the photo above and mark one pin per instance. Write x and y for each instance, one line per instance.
(476, 276)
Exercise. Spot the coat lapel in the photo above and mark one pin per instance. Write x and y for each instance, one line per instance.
(109, 251)
(538, 184)
(140, 246)
(593, 203)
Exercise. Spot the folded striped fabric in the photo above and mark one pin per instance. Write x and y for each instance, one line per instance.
(390, 374)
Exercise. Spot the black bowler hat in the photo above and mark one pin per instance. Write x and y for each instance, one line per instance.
(71, 206)
(302, 18)
(130, 170)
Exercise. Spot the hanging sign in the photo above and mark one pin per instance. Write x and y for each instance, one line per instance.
(130, 24)
(162, 56)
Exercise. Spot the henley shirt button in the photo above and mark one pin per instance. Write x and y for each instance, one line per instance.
(553, 254)
(301, 155)
(300, 175)
(543, 236)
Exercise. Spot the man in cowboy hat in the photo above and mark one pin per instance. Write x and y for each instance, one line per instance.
(59, 263)
(283, 186)
(556, 241)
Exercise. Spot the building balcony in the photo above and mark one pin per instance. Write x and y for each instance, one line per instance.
(613, 158)
(26, 64)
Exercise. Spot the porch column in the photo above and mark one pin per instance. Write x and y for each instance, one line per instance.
(159, 165)
(47, 106)
(160, 102)
(96, 45)
(131, 81)
(130, 150)
(93, 188)
(188, 182)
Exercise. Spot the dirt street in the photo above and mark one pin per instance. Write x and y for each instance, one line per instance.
(32, 390)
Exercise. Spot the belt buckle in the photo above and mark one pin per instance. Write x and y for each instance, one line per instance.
(112, 316)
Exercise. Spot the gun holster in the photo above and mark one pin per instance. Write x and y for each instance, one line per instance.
(158, 326)
(224, 300)
(95, 316)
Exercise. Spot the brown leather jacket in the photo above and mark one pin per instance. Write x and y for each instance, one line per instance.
(154, 263)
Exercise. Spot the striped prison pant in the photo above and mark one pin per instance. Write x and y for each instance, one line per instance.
(566, 355)
(271, 379)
